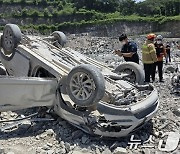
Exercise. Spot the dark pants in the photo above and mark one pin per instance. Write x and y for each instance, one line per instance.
(133, 60)
(168, 56)
(159, 64)
(148, 71)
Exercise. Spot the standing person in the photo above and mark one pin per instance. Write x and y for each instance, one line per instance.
(129, 49)
(168, 51)
(160, 52)
(149, 57)
(177, 44)
(173, 44)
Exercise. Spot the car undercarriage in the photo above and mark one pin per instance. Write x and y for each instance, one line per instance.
(39, 71)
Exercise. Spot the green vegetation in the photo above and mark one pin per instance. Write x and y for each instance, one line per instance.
(79, 13)
(43, 28)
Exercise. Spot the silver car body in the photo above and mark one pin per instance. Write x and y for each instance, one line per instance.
(106, 119)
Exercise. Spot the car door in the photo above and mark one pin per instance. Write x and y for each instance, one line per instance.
(18, 65)
(26, 92)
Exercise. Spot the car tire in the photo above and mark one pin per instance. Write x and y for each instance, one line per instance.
(60, 37)
(136, 69)
(11, 38)
(85, 85)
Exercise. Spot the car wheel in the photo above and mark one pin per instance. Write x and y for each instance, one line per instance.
(135, 73)
(85, 85)
(11, 38)
(60, 37)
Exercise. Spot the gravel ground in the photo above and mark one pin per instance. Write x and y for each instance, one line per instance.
(59, 137)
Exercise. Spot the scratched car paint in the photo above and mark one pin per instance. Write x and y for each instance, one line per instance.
(88, 94)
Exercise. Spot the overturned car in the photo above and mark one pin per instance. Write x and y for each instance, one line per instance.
(88, 94)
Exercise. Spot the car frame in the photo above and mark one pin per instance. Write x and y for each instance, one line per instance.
(87, 93)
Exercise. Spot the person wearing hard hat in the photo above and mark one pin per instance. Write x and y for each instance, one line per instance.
(149, 57)
(128, 50)
(160, 52)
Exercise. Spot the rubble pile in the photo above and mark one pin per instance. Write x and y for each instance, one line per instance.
(59, 137)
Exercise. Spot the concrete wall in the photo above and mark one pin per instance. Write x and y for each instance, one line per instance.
(130, 28)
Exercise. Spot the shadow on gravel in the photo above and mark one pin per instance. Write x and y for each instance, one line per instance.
(86, 140)
(24, 128)
(67, 134)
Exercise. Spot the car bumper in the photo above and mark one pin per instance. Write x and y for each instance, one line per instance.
(112, 121)
(130, 118)
(128, 125)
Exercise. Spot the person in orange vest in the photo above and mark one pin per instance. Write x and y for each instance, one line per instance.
(160, 52)
(149, 57)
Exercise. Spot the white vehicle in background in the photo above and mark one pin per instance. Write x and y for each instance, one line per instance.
(88, 94)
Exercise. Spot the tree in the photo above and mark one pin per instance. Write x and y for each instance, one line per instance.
(23, 2)
(46, 13)
(44, 2)
(55, 13)
(35, 14)
(127, 7)
(158, 7)
(98, 5)
(35, 2)
(24, 13)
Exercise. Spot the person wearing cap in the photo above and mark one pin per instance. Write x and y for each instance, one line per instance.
(128, 50)
(160, 52)
(149, 57)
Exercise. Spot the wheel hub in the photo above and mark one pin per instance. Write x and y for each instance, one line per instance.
(81, 86)
(8, 38)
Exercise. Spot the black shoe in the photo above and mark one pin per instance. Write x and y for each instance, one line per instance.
(152, 81)
(161, 80)
(146, 82)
